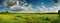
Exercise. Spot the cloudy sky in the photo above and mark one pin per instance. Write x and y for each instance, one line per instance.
(29, 6)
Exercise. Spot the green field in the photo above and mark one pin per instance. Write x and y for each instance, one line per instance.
(29, 18)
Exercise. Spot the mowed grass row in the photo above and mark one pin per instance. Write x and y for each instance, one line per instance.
(29, 18)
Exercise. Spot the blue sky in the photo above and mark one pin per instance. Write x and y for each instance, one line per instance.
(47, 3)
(2, 8)
(34, 4)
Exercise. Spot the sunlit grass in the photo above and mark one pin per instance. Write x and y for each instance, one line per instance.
(28, 18)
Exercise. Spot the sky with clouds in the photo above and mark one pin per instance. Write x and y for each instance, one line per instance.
(29, 6)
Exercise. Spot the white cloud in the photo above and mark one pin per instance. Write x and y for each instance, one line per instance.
(29, 9)
(48, 10)
(25, 7)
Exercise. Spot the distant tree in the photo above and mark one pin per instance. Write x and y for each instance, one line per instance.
(59, 12)
(6, 12)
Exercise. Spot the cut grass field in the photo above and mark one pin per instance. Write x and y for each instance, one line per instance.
(29, 18)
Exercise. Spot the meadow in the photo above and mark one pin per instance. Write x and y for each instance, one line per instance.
(29, 18)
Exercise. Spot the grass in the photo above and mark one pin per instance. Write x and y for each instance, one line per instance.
(29, 18)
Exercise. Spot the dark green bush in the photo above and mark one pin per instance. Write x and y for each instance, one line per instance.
(55, 21)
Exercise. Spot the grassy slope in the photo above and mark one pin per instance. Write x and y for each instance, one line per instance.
(28, 18)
